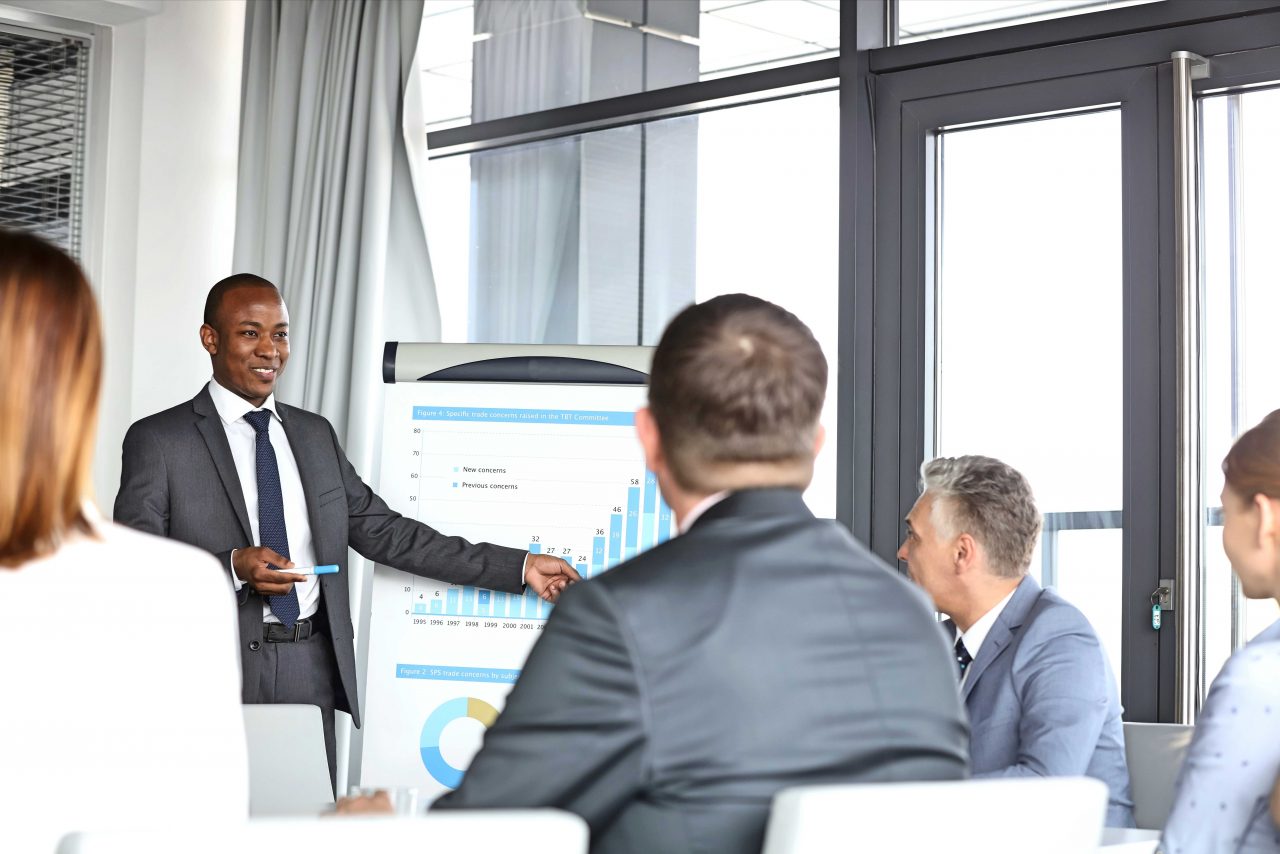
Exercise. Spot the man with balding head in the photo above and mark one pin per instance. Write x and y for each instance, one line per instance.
(1041, 697)
(667, 701)
(265, 487)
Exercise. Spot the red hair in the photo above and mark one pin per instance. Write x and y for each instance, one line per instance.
(51, 350)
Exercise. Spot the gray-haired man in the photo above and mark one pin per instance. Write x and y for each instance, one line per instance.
(1041, 698)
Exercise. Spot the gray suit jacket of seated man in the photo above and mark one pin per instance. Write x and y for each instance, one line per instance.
(1042, 699)
(668, 700)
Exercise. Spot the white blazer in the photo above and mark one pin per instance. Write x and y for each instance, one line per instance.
(121, 690)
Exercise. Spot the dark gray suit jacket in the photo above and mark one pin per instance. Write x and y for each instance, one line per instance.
(668, 700)
(179, 480)
(1042, 700)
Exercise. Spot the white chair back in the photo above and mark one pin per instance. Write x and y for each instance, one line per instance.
(476, 832)
(288, 771)
(1061, 815)
(1154, 753)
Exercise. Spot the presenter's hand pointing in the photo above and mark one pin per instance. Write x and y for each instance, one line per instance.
(548, 575)
(251, 565)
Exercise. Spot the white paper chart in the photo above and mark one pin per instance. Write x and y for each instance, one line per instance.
(554, 469)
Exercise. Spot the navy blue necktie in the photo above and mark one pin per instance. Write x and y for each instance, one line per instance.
(271, 528)
(962, 654)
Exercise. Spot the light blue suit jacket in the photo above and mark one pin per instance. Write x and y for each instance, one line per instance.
(1042, 700)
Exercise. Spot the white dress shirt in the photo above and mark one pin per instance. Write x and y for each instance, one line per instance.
(701, 507)
(978, 632)
(116, 715)
(243, 441)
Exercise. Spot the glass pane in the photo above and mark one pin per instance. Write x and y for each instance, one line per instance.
(1028, 334)
(1240, 216)
(919, 20)
(488, 59)
(601, 238)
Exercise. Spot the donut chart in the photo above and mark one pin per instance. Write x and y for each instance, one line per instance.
(443, 715)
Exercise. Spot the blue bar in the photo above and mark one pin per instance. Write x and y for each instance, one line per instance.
(482, 602)
(469, 601)
(583, 571)
(535, 548)
(633, 519)
(597, 556)
(531, 604)
(499, 604)
(435, 606)
(615, 540)
(650, 509)
(420, 607)
(666, 525)
(524, 416)
(451, 602)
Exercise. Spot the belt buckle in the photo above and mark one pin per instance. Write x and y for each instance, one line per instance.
(297, 631)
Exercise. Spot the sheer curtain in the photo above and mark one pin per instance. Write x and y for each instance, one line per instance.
(327, 207)
(331, 143)
(524, 281)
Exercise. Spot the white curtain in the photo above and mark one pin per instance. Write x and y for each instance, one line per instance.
(327, 207)
(524, 265)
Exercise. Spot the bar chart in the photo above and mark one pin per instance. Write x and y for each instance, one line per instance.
(553, 470)
(644, 521)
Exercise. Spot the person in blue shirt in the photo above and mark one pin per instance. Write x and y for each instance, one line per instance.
(1223, 789)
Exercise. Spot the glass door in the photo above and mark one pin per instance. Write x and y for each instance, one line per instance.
(1018, 275)
(1239, 133)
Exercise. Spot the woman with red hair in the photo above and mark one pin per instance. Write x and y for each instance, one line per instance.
(117, 649)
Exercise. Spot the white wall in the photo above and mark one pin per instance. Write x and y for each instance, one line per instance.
(160, 192)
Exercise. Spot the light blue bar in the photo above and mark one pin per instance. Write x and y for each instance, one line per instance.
(666, 524)
(524, 416)
(531, 604)
(451, 602)
(469, 601)
(452, 673)
(420, 607)
(583, 571)
(615, 540)
(650, 509)
(482, 602)
(597, 555)
(435, 606)
(633, 520)
(535, 548)
(499, 603)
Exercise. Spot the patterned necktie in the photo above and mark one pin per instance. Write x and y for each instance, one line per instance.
(963, 658)
(271, 529)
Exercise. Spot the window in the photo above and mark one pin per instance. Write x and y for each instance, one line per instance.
(600, 238)
(43, 93)
(1015, 374)
(1240, 216)
(919, 20)
(489, 59)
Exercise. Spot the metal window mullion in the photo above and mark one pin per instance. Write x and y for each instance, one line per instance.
(1235, 223)
(1189, 500)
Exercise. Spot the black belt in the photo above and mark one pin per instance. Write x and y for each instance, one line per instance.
(277, 633)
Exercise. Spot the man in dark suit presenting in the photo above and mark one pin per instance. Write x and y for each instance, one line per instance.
(265, 487)
(668, 700)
